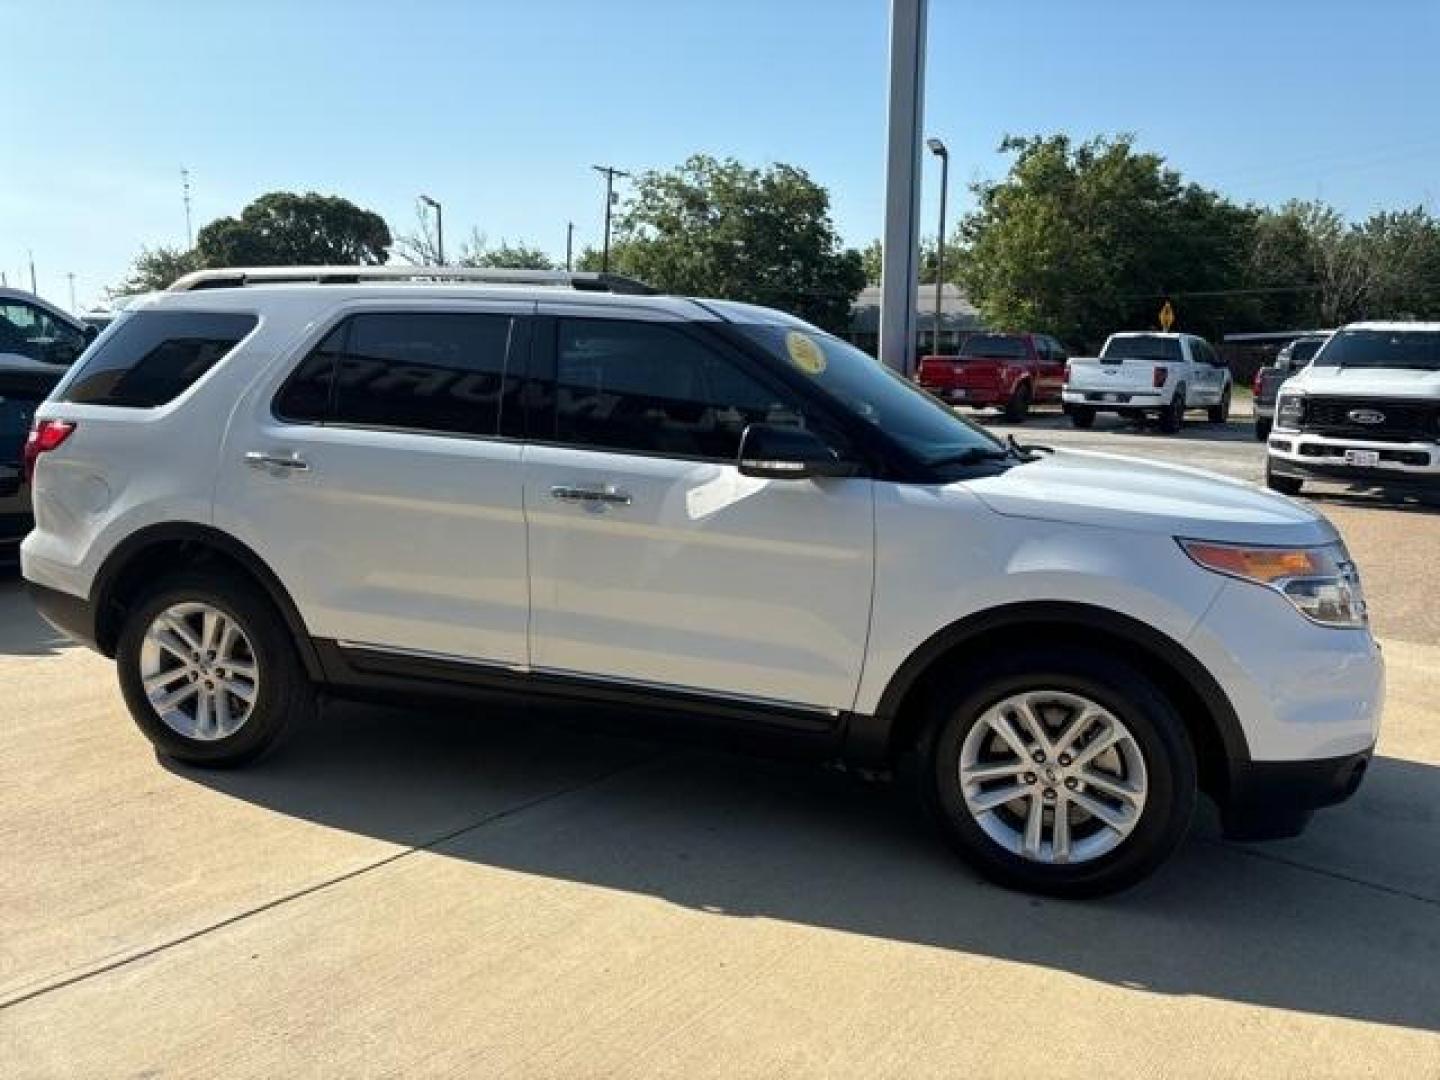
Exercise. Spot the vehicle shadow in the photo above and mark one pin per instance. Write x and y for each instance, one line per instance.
(1366, 496)
(1290, 926)
(22, 631)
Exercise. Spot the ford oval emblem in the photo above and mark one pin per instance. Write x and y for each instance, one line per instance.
(1366, 416)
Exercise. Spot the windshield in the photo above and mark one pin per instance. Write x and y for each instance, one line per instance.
(1419, 349)
(864, 387)
(993, 345)
(1142, 347)
(1304, 350)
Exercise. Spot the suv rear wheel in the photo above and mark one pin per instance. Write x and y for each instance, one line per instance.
(209, 670)
(1059, 771)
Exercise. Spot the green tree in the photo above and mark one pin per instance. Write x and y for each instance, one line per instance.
(1402, 248)
(1080, 240)
(873, 252)
(158, 268)
(505, 256)
(719, 228)
(286, 229)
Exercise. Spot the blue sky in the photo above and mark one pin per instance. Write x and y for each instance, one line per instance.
(499, 108)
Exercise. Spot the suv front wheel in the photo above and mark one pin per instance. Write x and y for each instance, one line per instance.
(209, 670)
(1059, 771)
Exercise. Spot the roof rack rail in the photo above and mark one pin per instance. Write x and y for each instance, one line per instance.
(238, 277)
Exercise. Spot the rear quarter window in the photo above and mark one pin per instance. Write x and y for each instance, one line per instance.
(152, 357)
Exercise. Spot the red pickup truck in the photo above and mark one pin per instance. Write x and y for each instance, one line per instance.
(1009, 371)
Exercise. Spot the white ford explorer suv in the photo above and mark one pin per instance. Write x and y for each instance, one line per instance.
(1366, 409)
(262, 486)
(1139, 374)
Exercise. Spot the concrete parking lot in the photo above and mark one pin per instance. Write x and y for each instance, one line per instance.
(429, 892)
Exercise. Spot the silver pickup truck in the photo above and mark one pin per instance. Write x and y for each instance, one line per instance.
(1268, 379)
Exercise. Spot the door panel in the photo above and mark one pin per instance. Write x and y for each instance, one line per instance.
(704, 579)
(399, 538)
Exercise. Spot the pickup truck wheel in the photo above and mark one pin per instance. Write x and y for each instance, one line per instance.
(1172, 417)
(1219, 413)
(1082, 416)
(1262, 428)
(1285, 485)
(1018, 407)
(1058, 771)
(209, 670)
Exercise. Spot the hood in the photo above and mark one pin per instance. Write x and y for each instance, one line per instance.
(1084, 488)
(1367, 382)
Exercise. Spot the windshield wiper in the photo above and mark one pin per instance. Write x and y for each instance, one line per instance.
(972, 456)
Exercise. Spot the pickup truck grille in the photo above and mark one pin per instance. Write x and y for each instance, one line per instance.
(1403, 421)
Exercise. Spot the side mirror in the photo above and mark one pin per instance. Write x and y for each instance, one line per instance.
(788, 453)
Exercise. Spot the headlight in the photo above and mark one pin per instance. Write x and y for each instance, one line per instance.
(1289, 410)
(1321, 582)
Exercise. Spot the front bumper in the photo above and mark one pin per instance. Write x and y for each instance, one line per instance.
(1271, 800)
(1303, 455)
(1308, 699)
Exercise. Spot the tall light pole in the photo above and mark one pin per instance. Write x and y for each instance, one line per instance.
(569, 245)
(439, 227)
(938, 149)
(185, 194)
(31, 254)
(71, 276)
(609, 172)
(905, 114)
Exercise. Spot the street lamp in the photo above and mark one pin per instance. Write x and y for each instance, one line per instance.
(938, 149)
(609, 172)
(439, 227)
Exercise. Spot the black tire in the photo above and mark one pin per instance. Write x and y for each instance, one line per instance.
(1172, 417)
(1263, 424)
(1285, 485)
(285, 695)
(1082, 416)
(1018, 407)
(1219, 413)
(1158, 731)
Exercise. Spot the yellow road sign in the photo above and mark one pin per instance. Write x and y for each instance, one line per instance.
(1167, 317)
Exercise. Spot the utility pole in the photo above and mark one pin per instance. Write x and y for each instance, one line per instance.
(185, 195)
(439, 227)
(609, 172)
(938, 149)
(32, 272)
(899, 262)
(569, 245)
(71, 276)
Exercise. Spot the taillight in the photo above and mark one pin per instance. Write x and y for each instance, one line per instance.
(45, 435)
(1255, 386)
(1067, 371)
(1161, 374)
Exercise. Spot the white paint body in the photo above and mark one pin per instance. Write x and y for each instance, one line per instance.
(1360, 385)
(1204, 383)
(804, 592)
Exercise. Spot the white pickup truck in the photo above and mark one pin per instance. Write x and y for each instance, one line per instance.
(1141, 373)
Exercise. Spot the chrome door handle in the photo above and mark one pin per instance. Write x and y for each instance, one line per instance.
(608, 494)
(276, 463)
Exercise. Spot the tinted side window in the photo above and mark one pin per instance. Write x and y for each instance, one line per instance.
(418, 371)
(650, 389)
(305, 397)
(153, 356)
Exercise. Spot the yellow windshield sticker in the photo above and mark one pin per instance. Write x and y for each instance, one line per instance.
(804, 353)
